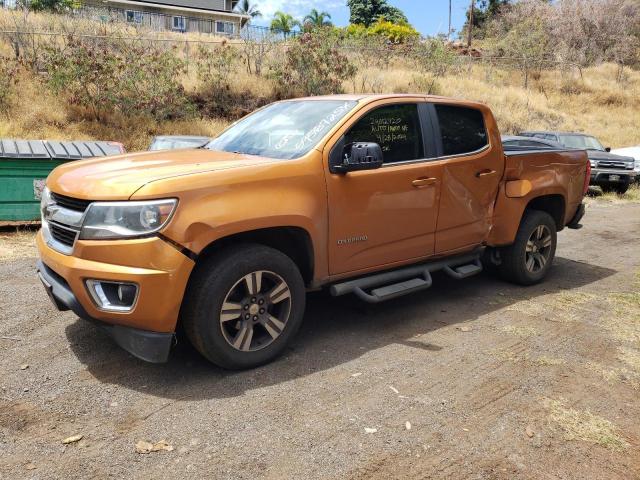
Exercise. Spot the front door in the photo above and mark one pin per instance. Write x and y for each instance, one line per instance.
(382, 217)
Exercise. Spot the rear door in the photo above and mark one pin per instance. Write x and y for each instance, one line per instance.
(472, 170)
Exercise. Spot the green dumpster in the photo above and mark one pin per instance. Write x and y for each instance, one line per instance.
(25, 165)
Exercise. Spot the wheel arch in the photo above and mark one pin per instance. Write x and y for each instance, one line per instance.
(295, 242)
(553, 204)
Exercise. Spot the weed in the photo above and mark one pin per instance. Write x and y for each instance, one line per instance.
(585, 426)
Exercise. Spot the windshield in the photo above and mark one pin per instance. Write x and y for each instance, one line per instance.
(581, 142)
(283, 130)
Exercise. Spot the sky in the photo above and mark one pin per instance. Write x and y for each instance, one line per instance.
(429, 17)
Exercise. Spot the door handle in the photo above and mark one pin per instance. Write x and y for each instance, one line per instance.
(485, 173)
(423, 182)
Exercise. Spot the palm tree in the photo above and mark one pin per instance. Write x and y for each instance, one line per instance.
(284, 23)
(246, 8)
(317, 19)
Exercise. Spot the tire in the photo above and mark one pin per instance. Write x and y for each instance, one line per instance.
(619, 188)
(252, 280)
(516, 259)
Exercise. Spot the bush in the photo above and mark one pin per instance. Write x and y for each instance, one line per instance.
(433, 56)
(122, 75)
(214, 68)
(312, 66)
(392, 32)
(8, 78)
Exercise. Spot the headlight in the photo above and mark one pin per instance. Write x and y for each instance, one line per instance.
(593, 164)
(109, 220)
(45, 199)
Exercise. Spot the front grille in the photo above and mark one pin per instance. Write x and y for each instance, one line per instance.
(71, 203)
(62, 235)
(605, 164)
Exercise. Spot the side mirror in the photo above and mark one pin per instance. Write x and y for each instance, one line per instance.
(360, 156)
(608, 149)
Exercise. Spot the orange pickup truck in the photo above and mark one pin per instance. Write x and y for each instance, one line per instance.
(362, 194)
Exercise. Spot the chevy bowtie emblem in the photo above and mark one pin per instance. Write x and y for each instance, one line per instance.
(49, 211)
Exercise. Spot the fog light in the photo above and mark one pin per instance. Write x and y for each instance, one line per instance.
(113, 296)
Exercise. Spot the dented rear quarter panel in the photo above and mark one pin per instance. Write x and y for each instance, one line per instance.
(550, 173)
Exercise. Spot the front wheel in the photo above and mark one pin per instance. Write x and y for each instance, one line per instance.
(619, 188)
(243, 306)
(528, 260)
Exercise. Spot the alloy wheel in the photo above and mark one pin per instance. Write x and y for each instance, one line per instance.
(255, 311)
(538, 249)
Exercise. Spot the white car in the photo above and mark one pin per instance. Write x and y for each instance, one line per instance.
(631, 152)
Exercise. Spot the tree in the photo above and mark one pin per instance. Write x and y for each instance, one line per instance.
(246, 8)
(284, 23)
(367, 12)
(481, 12)
(316, 19)
(56, 6)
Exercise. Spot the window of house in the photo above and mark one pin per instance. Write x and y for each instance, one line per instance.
(180, 23)
(396, 128)
(462, 129)
(134, 17)
(227, 28)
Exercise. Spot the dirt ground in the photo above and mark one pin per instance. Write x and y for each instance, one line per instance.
(471, 379)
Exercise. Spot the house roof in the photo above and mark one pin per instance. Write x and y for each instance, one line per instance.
(190, 5)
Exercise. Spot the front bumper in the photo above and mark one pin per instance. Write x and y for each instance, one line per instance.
(601, 175)
(160, 271)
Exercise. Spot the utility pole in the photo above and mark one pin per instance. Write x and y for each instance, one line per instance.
(470, 24)
(449, 31)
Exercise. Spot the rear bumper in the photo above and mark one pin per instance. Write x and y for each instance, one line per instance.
(574, 223)
(149, 346)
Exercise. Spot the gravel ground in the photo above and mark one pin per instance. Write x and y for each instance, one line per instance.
(471, 379)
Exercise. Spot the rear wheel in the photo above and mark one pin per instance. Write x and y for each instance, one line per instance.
(243, 306)
(528, 260)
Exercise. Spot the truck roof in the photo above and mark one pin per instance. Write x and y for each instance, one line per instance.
(372, 97)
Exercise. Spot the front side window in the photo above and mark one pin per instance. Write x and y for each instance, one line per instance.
(284, 130)
(396, 128)
(462, 129)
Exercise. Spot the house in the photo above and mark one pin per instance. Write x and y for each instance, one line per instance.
(201, 16)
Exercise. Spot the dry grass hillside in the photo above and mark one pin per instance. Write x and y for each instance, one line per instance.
(593, 101)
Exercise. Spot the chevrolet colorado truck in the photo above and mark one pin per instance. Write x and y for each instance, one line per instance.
(362, 194)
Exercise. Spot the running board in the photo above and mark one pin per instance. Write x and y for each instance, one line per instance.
(396, 283)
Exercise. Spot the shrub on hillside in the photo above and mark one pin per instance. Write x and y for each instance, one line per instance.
(214, 67)
(119, 75)
(312, 66)
(8, 79)
(392, 32)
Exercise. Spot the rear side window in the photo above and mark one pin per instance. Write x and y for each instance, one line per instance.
(396, 128)
(462, 129)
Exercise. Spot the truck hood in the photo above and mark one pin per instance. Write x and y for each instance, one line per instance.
(117, 178)
(604, 156)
